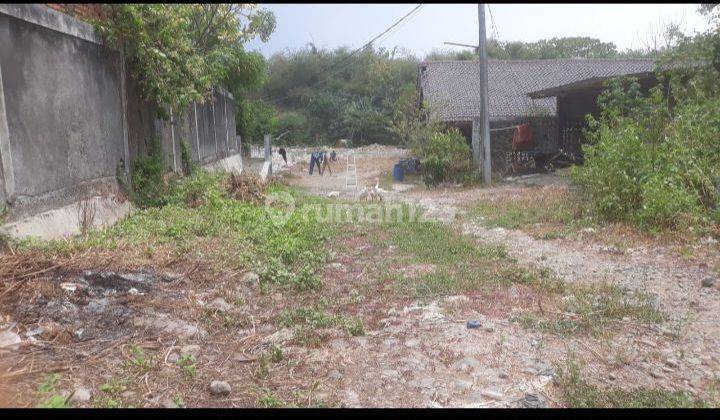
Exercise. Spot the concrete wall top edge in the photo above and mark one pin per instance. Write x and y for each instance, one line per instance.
(46, 17)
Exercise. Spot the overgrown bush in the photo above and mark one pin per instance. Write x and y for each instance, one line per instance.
(649, 166)
(148, 186)
(188, 165)
(448, 158)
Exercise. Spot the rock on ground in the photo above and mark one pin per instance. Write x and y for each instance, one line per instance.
(220, 388)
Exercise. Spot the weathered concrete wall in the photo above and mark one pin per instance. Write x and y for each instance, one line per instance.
(70, 114)
(63, 111)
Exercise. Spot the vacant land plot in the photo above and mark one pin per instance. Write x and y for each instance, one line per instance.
(219, 300)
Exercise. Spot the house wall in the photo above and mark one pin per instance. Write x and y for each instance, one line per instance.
(70, 114)
(545, 130)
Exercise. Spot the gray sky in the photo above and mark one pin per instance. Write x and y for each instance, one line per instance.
(333, 25)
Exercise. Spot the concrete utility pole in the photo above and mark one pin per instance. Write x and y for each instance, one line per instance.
(484, 112)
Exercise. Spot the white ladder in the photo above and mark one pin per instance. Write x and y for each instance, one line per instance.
(350, 172)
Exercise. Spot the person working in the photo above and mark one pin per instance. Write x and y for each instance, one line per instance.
(283, 153)
(325, 163)
(314, 160)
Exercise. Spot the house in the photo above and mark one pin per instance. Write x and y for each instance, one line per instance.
(451, 91)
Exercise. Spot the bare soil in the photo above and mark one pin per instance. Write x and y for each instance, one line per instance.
(113, 317)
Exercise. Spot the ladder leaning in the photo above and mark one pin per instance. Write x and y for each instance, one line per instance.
(350, 172)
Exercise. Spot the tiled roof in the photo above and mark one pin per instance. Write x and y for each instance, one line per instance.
(451, 88)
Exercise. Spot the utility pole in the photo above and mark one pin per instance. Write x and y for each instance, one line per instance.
(484, 112)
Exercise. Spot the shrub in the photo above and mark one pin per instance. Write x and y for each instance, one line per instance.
(148, 185)
(447, 159)
(649, 167)
(188, 165)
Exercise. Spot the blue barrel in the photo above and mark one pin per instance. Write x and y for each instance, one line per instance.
(398, 172)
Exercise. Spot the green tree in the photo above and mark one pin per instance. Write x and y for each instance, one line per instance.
(178, 52)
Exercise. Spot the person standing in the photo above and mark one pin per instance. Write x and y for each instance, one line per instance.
(325, 163)
(314, 156)
(283, 153)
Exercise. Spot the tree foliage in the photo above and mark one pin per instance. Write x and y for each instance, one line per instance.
(322, 95)
(568, 47)
(179, 52)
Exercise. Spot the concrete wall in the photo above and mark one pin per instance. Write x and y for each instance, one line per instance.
(63, 110)
(70, 115)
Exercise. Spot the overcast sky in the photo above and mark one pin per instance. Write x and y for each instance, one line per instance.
(333, 25)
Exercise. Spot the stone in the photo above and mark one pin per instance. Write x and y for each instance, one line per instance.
(543, 369)
(473, 324)
(168, 403)
(81, 395)
(165, 324)
(169, 277)
(493, 395)
(219, 304)
(352, 398)
(502, 375)
(389, 373)
(250, 278)
(426, 382)
(335, 375)
(280, 336)
(463, 384)
(532, 401)
(412, 342)
(9, 340)
(81, 334)
(657, 375)
(466, 363)
(612, 376)
(34, 332)
(191, 350)
(220, 388)
(672, 363)
(708, 282)
(173, 357)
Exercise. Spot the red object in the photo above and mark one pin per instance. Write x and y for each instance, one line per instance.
(523, 138)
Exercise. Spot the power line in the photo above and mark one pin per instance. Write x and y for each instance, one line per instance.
(346, 59)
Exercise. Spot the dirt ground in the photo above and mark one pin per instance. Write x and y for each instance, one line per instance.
(124, 332)
(679, 354)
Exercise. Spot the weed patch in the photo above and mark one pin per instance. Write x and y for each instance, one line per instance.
(592, 309)
(555, 209)
(48, 394)
(578, 393)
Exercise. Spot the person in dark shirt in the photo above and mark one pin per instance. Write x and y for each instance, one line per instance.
(314, 160)
(283, 153)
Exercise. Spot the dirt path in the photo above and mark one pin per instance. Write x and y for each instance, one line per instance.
(425, 355)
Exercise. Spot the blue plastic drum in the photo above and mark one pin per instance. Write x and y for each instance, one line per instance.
(398, 172)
